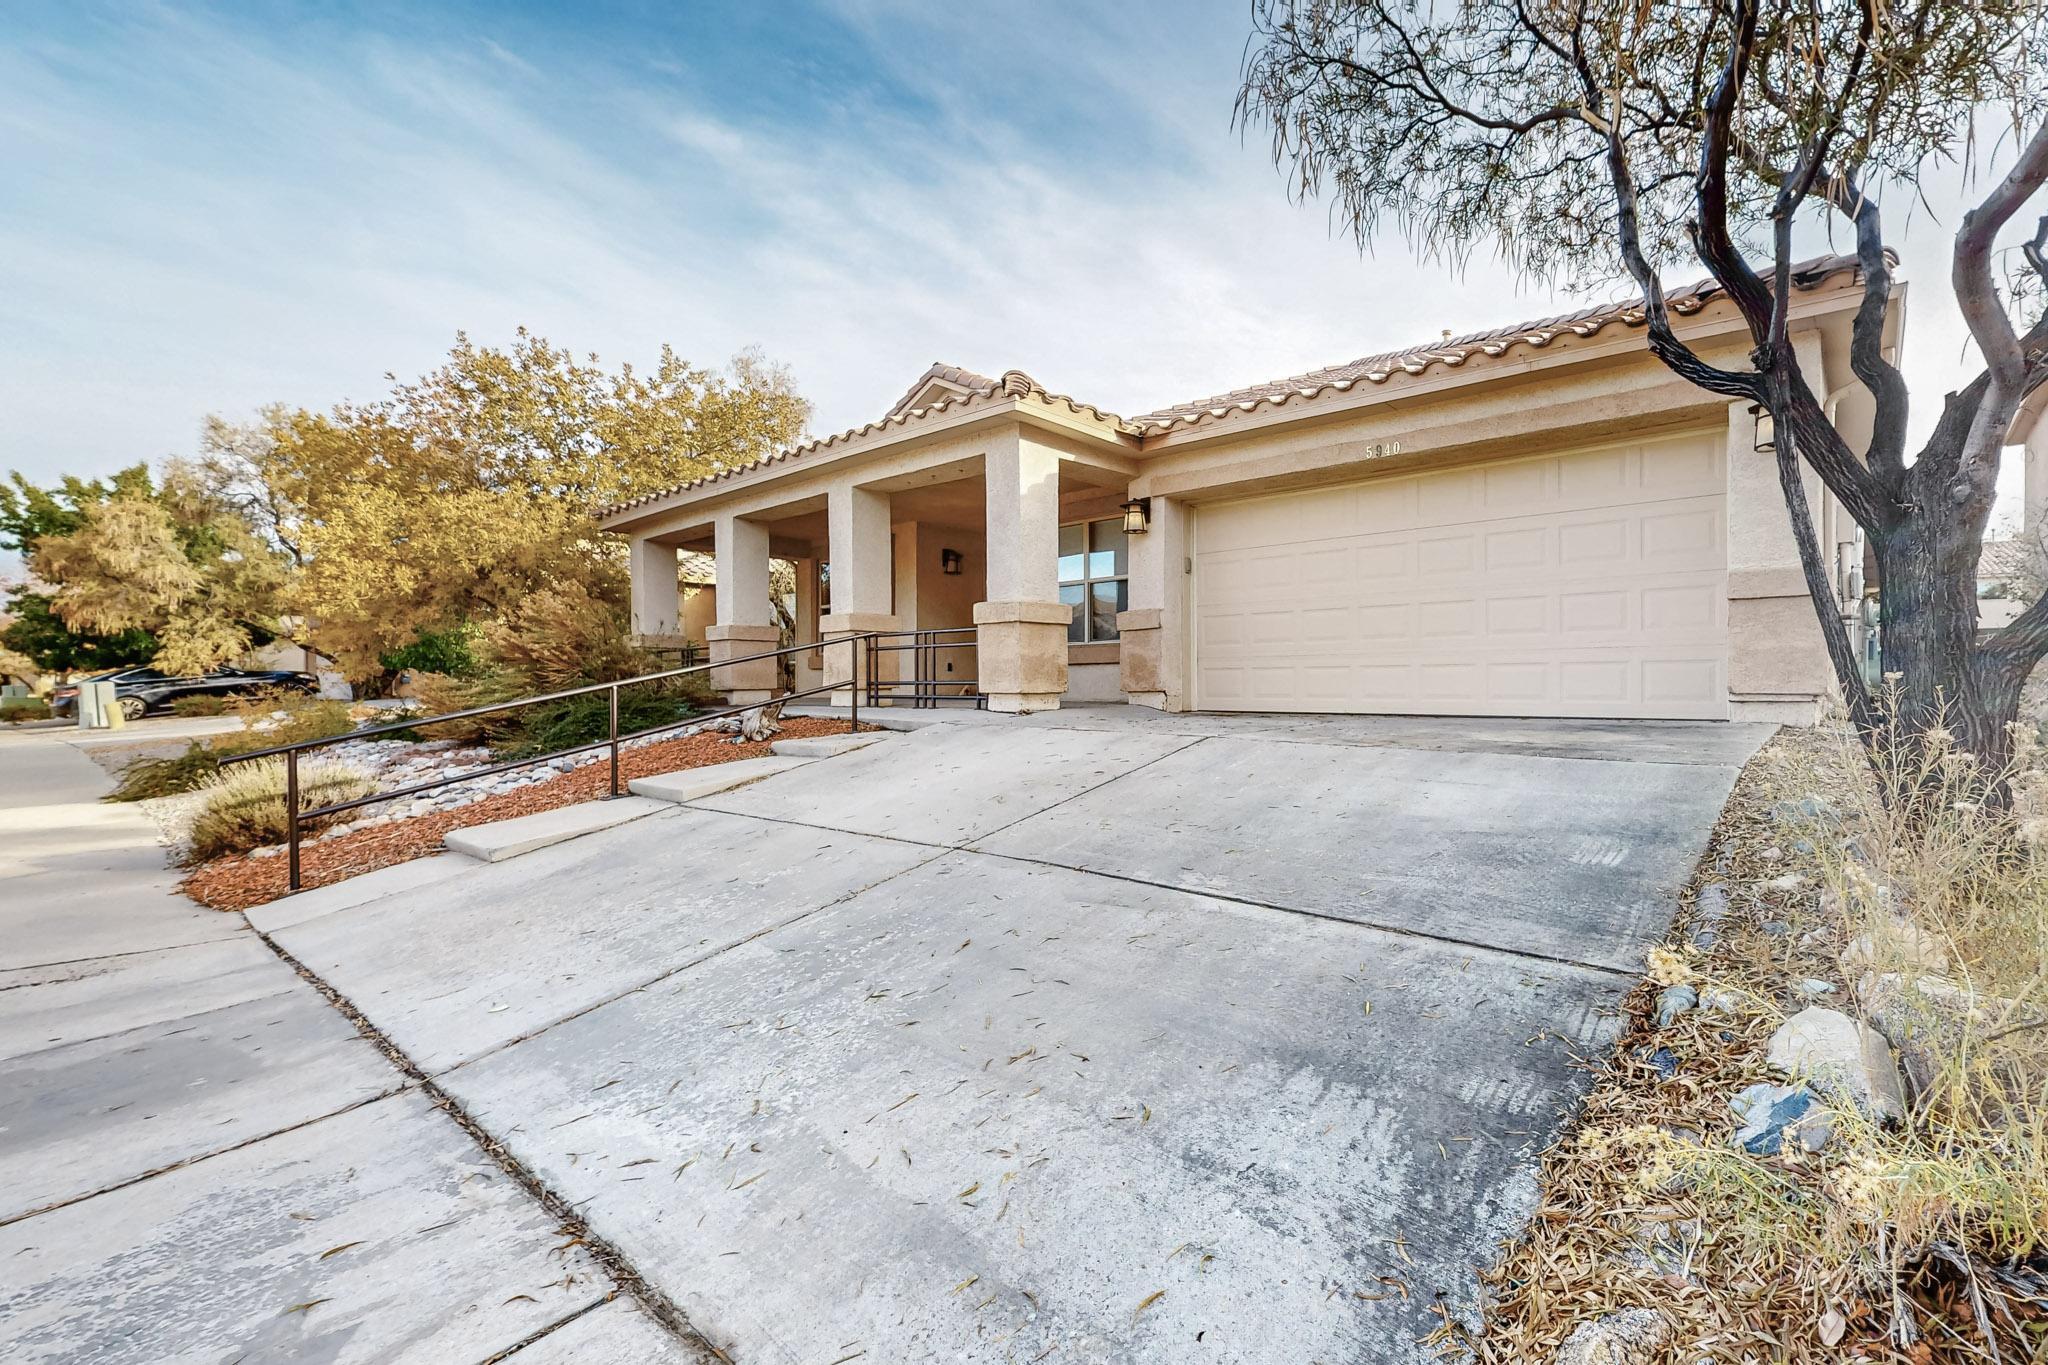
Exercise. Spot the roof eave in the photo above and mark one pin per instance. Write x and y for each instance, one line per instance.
(1616, 338)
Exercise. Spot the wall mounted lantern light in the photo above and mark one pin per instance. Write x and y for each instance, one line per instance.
(949, 561)
(1137, 516)
(1766, 427)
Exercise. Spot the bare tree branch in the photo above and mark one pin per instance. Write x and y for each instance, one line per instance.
(1983, 310)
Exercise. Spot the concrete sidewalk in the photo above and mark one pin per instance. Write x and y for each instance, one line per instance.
(202, 1158)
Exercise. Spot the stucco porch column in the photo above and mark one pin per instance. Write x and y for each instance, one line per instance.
(1154, 631)
(1021, 630)
(657, 594)
(745, 625)
(863, 570)
(807, 614)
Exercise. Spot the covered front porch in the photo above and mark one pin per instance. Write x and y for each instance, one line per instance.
(996, 559)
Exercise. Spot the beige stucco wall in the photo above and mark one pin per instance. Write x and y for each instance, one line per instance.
(1574, 392)
(1094, 683)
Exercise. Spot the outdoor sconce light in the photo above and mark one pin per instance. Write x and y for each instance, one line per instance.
(1137, 516)
(1766, 427)
(949, 561)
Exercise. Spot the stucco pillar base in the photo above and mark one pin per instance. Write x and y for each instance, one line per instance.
(1794, 710)
(748, 684)
(1142, 656)
(1777, 669)
(1021, 654)
(847, 659)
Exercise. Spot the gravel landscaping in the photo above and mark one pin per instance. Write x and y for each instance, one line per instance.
(1732, 1189)
(413, 827)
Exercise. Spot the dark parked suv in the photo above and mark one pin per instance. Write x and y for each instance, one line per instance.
(142, 690)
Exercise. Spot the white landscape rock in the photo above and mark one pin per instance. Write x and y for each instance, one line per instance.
(1847, 1061)
(1634, 1336)
(1929, 1017)
(1900, 943)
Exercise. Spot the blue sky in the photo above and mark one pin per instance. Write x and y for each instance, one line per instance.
(208, 208)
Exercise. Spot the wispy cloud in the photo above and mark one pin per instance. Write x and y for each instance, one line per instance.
(215, 211)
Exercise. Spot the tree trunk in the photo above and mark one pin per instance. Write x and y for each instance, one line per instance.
(1927, 577)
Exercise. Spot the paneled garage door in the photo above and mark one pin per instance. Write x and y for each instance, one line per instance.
(1588, 583)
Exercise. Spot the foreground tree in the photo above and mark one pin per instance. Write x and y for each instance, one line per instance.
(1582, 136)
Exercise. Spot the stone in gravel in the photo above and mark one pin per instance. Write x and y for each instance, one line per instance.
(1709, 909)
(1847, 1061)
(1772, 855)
(1812, 988)
(1806, 810)
(1791, 881)
(1722, 1000)
(1764, 1113)
(1899, 943)
(1927, 1018)
(1663, 1058)
(1776, 928)
(1634, 1336)
(1806, 847)
(1673, 1001)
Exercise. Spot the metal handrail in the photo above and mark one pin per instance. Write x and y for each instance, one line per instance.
(296, 818)
(924, 684)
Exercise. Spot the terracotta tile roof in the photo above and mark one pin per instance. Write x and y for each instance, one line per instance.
(2004, 559)
(1376, 369)
(948, 374)
(1453, 351)
(1013, 384)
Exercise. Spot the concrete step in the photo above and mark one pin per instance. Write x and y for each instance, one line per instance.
(504, 839)
(827, 746)
(691, 783)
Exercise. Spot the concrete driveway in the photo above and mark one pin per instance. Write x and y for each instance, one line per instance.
(1103, 1036)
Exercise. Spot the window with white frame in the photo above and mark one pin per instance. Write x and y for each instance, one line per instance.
(1094, 577)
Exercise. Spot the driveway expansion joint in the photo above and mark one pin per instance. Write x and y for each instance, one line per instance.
(657, 1305)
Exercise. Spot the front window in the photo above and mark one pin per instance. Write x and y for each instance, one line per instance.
(1094, 577)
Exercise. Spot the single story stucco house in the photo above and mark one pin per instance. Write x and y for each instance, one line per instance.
(1538, 520)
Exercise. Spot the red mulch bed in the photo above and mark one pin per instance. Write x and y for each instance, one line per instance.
(239, 881)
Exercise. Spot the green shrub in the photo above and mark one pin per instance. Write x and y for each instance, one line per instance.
(15, 710)
(199, 706)
(146, 778)
(451, 653)
(558, 725)
(243, 807)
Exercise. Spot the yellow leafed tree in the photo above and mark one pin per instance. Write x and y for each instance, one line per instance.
(463, 494)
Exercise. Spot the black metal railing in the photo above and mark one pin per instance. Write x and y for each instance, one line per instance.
(296, 818)
(925, 688)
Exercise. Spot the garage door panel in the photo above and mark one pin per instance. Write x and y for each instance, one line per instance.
(1589, 583)
(1513, 488)
(1684, 537)
(1599, 478)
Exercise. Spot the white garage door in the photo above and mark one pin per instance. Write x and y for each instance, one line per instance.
(1589, 583)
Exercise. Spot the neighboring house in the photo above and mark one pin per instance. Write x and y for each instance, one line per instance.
(1534, 521)
(2007, 574)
